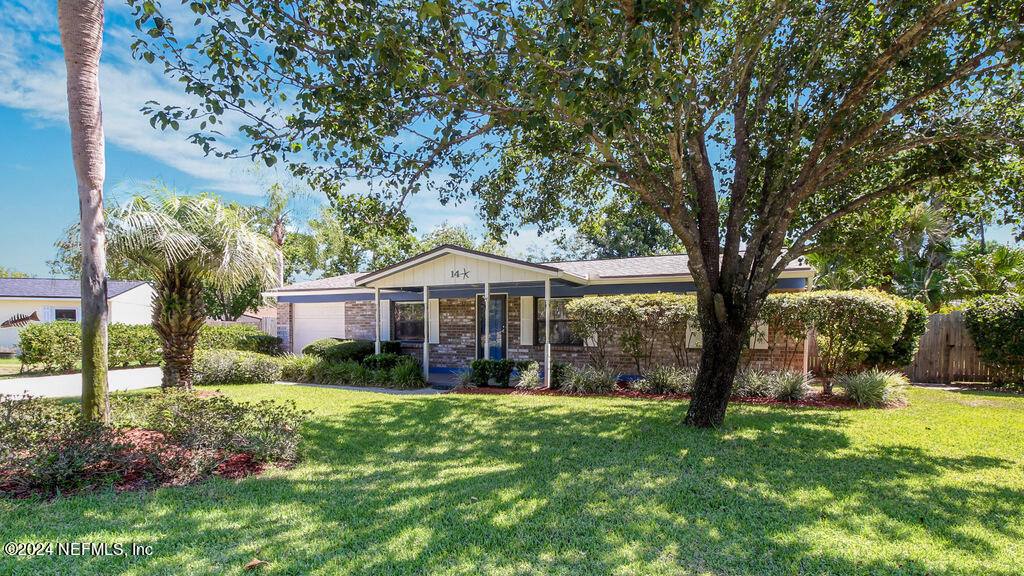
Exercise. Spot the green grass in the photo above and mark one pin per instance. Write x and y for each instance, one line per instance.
(460, 484)
(9, 366)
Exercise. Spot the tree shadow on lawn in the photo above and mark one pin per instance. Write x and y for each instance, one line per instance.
(463, 485)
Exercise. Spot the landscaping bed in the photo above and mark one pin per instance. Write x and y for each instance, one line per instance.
(158, 439)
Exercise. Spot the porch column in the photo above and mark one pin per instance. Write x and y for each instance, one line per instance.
(487, 320)
(426, 333)
(376, 320)
(547, 332)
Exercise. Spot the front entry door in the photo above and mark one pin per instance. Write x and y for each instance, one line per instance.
(499, 333)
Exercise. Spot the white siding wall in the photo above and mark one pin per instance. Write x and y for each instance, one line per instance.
(133, 307)
(455, 269)
(44, 308)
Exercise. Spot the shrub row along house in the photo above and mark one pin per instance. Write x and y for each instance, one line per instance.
(452, 305)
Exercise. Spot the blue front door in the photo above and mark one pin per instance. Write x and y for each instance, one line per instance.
(498, 335)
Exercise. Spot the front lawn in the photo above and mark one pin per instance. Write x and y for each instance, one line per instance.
(474, 484)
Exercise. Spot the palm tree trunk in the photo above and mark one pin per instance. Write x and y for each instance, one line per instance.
(178, 314)
(81, 33)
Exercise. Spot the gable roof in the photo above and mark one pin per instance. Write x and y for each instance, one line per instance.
(57, 288)
(642, 267)
(330, 283)
(445, 249)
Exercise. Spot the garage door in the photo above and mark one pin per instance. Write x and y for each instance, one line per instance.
(316, 321)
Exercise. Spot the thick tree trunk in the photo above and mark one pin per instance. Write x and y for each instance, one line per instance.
(721, 349)
(178, 314)
(81, 33)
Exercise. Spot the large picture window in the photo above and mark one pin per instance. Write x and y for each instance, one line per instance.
(407, 321)
(561, 333)
(65, 315)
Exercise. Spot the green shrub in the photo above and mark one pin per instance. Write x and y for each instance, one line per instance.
(851, 322)
(559, 373)
(56, 346)
(501, 371)
(132, 344)
(237, 337)
(530, 376)
(480, 371)
(792, 386)
(874, 388)
(588, 380)
(996, 324)
(753, 384)
(390, 347)
(297, 368)
(406, 373)
(666, 380)
(220, 367)
(319, 347)
(903, 350)
(46, 445)
(213, 428)
(382, 361)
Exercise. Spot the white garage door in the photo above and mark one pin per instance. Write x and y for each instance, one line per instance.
(316, 321)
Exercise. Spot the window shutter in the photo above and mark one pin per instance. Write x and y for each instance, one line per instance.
(526, 320)
(385, 319)
(759, 337)
(47, 314)
(434, 321)
(693, 336)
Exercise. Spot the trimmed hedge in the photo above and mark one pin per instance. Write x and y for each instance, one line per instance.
(401, 371)
(57, 346)
(220, 367)
(996, 323)
(238, 337)
(337, 350)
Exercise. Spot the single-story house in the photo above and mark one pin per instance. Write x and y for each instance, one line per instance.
(442, 303)
(56, 299)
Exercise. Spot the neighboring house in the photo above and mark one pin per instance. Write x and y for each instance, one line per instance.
(54, 300)
(435, 305)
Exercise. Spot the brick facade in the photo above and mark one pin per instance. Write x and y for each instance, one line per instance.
(284, 325)
(457, 345)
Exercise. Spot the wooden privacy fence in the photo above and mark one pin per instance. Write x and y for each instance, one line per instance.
(946, 354)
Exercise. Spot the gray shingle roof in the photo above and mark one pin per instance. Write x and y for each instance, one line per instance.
(620, 267)
(343, 281)
(56, 287)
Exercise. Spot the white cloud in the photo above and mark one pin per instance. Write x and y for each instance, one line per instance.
(33, 74)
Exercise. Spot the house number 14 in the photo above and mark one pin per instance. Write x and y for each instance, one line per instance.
(464, 273)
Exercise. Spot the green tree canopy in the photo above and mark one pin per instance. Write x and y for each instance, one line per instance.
(749, 127)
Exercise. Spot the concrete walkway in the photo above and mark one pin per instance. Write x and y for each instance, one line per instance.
(71, 384)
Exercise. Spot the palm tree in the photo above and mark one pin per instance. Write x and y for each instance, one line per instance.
(81, 35)
(184, 241)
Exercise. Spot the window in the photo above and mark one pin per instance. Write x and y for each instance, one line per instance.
(65, 315)
(561, 333)
(407, 321)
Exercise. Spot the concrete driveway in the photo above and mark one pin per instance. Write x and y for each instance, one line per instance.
(71, 384)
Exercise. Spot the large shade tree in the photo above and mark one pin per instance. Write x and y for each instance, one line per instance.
(748, 126)
(81, 35)
(184, 242)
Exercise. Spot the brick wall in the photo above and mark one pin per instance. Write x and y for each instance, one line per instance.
(457, 347)
(284, 325)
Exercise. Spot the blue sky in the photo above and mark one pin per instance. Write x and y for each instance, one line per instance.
(38, 196)
(37, 190)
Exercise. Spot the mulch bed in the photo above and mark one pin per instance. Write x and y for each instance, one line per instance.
(140, 472)
(814, 400)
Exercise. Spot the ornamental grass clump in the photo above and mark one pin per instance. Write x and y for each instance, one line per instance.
(874, 388)
(666, 379)
(791, 386)
(588, 380)
(530, 376)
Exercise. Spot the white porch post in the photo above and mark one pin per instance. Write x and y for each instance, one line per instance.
(376, 321)
(547, 332)
(426, 333)
(487, 320)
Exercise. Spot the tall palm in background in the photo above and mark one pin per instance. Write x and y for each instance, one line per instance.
(184, 241)
(81, 35)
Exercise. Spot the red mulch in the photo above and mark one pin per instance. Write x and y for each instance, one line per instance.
(815, 400)
(140, 473)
